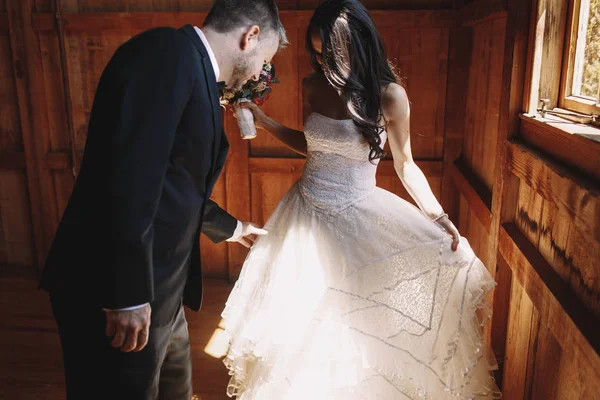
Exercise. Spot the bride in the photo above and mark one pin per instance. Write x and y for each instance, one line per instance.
(355, 293)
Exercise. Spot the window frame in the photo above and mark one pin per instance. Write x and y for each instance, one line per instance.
(575, 145)
(566, 99)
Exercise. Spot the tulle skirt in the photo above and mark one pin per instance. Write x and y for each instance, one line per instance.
(367, 302)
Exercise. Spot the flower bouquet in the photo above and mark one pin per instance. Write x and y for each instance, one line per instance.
(255, 91)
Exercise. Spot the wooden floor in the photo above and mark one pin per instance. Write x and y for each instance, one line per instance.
(30, 357)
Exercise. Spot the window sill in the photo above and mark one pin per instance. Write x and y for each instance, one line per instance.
(576, 145)
(568, 127)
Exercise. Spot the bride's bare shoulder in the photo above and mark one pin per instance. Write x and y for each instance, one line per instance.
(394, 102)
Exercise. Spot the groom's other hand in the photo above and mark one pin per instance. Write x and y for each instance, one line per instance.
(129, 329)
(248, 234)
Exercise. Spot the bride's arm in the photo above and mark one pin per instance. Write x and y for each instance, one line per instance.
(396, 111)
(292, 138)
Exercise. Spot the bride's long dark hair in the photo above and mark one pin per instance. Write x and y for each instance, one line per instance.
(355, 63)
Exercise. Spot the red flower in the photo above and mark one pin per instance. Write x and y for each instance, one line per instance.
(255, 91)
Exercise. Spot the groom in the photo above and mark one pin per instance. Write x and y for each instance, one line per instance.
(126, 255)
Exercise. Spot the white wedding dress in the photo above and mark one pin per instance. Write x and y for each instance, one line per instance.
(355, 293)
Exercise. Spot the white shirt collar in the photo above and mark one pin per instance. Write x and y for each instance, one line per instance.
(211, 55)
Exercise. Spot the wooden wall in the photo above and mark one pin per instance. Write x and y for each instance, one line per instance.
(532, 218)
(530, 215)
(54, 94)
(204, 5)
(16, 239)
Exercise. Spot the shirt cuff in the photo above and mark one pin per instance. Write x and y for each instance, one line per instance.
(237, 233)
(127, 308)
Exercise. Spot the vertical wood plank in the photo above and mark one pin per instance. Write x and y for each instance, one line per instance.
(421, 56)
(505, 194)
(34, 123)
(101, 5)
(66, 82)
(575, 379)
(78, 70)
(477, 237)
(426, 86)
(469, 124)
(476, 113)
(53, 89)
(267, 191)
(283, 104)
(531, 351)
(500, 315)
(140, 5)
(16, 236)
(42, 6)
(11, 138)
(195, 5)
(70, 6)
(442, 92)
(520, 322)
(484, 161)
(57, 118)
(459, 59)
(547, 366)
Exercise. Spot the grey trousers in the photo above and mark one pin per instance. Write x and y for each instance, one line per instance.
(96, 370)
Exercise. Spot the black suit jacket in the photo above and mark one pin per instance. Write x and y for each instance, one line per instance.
(154, 150)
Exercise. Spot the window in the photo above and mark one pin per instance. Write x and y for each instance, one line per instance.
(562, 79)
(580, 88)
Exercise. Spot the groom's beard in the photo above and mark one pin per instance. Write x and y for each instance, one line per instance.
(241, 73)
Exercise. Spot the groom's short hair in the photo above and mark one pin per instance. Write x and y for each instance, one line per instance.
(226, 15)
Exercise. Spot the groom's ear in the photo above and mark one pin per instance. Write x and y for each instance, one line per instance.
(250, 38)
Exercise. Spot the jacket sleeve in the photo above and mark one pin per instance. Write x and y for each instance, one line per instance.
(218, 225)
(153, 98)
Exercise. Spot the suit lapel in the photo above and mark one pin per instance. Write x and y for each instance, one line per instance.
(213, 92)
(216, 107)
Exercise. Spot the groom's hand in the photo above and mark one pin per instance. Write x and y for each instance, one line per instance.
(129, 329)
(249, 234)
